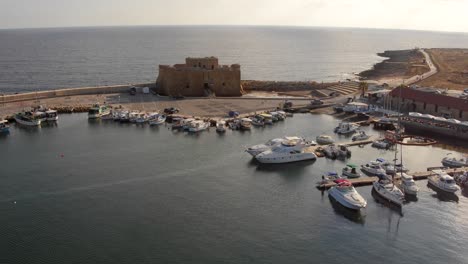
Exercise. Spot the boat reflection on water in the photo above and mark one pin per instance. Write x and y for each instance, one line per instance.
(443, 196)
(282, 166)
(357, 216)
(386, 203)
(410, 198)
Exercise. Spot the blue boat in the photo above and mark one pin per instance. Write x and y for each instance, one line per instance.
(4, 127)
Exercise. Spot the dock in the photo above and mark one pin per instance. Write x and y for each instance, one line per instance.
(314, 149)
(363, 181)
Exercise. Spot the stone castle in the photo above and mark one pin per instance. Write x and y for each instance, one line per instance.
(199, 77)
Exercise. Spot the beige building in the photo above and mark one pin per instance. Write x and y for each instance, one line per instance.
(199, 77)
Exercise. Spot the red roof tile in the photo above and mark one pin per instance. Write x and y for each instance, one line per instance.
(431, 98)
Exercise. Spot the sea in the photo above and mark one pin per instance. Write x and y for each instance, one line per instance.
(82, 191)
(41, 59)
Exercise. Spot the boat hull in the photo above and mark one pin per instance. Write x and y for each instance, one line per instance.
(286, 159)
(386, 195)
(28, 123)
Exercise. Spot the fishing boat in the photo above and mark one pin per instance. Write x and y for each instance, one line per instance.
(198, 125)
(4, 126)
(346, 128)
(157, 120)
(350, 171)
(51, 115)
(408, 186)
(345, 194)
(245, 124)
(361, 136)
(287, 151)
(221, 126)
(96, 111)
(27, 119)
(389, 191)
(374, 168)
(40, 115)
(324, 140)
(443, 182)
(453, 162)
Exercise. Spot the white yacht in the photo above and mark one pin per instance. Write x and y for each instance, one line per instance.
(408, 186)
(288, 151)
(324, 140)
(221, 126)
(345, 194)
(453, 162)
(97, 111)
(345, 128)
(198, 125)
(387, 190)
(374, 168)
(27, 119)
(51, 115)
(444, 182)
(257, 149)
(361, 136)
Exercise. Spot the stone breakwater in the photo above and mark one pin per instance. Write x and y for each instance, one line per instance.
(283, 86)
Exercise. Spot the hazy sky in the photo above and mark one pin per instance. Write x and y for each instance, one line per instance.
(443, 15)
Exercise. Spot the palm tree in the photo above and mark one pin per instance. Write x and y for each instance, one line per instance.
(363, 88)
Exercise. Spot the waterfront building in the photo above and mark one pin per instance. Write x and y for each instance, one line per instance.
(199, 77)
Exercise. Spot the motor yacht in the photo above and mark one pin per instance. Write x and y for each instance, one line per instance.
(350, 171)
(324, 140)
(257, 149)
(443, 182)
(374, 168)
(345, 128)
(389, 191)
(408, 186)
(345, 194)
(287, 151)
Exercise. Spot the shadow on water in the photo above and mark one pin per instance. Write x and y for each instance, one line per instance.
(282, 167)
(410, 198)
(379, 199)
(443, 196)
(28, 129)
(464, 192)
(356, 216)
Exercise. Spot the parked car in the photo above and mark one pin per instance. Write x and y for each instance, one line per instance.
(171, 110)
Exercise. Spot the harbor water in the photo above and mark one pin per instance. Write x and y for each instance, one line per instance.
(105, 192)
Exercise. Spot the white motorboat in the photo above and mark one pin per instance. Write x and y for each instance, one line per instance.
(374, 168)
(361, 136)
(389, 191)
(187, 122)
(287, 151)
(27, 119)
(408, 186)
(332, 151)
(324, 140)
(453, 162)
(198, 125)
(381, 144)
(221, 126)
(245, 124)
(51, 115)
(345, 194)
(157, 120)
(40, 115)
(257, 149)
(4, 127)
(443, 182)
(96, 111)
(350, 171)
(387, 166)
(346, 128)
(276, 116)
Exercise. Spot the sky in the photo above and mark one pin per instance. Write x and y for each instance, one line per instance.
(435, 15)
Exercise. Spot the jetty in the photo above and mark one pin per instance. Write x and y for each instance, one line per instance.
(422, 175)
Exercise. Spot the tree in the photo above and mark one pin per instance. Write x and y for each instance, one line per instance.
(363, 88)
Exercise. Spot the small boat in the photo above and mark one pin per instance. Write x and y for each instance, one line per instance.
(408, 186)
(96, 111)
(330, 177)
(40, 115)
(332, 151)
(108, 116)
(124, 117)
(350, 171)
(277, 116)
(133, 116)
(51, 115)
(387, 166)
(287, 151)
(453, 162)
(345, 128)
(27, 119)
(462, 180)
(361, 136)
(157, 119)
(116, 115)
(443, 182)
(267, 119)
(389, 191)
(198, 125)
(221, 126)
(141, 118)
(374, 168)
(257, 121)
(4, 127)
(282, 113)
(324, 140)
(245, 124)
(381, 144)
(345, 194)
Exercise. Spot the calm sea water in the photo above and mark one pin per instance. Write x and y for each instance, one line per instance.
(92, 192)
(34, 59)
